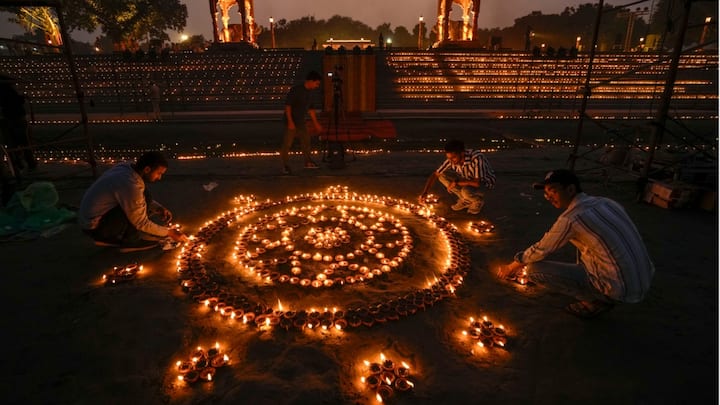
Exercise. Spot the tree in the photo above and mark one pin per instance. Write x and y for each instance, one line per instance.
(35, 19)
(197, 43)
(39, 19)
(301, 33)
(128, 21)
(385, 30)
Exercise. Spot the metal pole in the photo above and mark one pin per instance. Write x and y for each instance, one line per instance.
(659, 124)
(420, 27)
(705, 30)
(586, 87)
(78, 90)
(629, 31)
(272, 31)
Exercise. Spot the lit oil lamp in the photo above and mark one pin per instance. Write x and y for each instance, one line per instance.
(481, 227)
(485, 334)
(122, 274)
(384, 378)
(202, 365)
(184, 367)
(255, 250)
(384, 392)
(521, 276)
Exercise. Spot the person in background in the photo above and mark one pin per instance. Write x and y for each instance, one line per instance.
(155, 100)
(115, 211)
(462, 173)
(297, 105)
(614, 265)
(15, 125)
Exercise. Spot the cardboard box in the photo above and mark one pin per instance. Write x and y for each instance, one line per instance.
(670, 195)
(660, 202)
(663, 190)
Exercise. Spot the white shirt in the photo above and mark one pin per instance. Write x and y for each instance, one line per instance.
(610, 247)
(474, 166)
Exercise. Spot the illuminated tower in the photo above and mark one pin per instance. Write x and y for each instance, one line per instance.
(243, 32)
(470, 11)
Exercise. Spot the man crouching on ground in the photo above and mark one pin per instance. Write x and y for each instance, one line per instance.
(115, 209)
(614, 265)
(461, 173)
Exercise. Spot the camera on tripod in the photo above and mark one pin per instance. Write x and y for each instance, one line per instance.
(336, 77)
(335, 150)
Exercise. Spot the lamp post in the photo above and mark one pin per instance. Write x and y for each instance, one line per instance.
(272, 31)
(578, 39)
(532, 39)
(632, 16)
(420, 27)
(705, 30)
(642, 44)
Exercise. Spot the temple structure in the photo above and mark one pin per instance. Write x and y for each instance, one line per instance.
(246, 31)
(468, 24)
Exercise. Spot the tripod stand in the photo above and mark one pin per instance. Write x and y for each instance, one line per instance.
(334, 153)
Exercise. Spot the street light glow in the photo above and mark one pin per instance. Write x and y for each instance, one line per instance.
(420, 30)
(272, 32)
(184, 37)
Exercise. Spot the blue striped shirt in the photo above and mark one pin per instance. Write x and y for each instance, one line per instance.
(474, 166)
(610, 247)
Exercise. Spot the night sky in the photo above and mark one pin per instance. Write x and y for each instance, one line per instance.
(493, 13)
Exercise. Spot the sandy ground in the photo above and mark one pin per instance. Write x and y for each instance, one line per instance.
(72, 340)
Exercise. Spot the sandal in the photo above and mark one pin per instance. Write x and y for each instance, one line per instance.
(589, 310)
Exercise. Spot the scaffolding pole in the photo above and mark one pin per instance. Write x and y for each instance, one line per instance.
(661, 117)
(586, 87)
(73, 73)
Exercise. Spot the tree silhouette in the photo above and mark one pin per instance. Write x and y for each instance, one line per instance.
(128, 21)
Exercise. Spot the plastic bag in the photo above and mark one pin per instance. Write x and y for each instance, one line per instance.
(38, 196)
(33, 209)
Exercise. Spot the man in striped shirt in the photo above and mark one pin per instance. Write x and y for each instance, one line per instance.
(461, 173)
(614, 265)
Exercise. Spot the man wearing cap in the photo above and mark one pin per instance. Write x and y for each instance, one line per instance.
(614, 265)
(114, 210)
(461, 173)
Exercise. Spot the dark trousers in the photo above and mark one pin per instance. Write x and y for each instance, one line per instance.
(288, 138)
(115, 227)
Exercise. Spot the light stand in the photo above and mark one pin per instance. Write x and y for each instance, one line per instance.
(334, 148)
